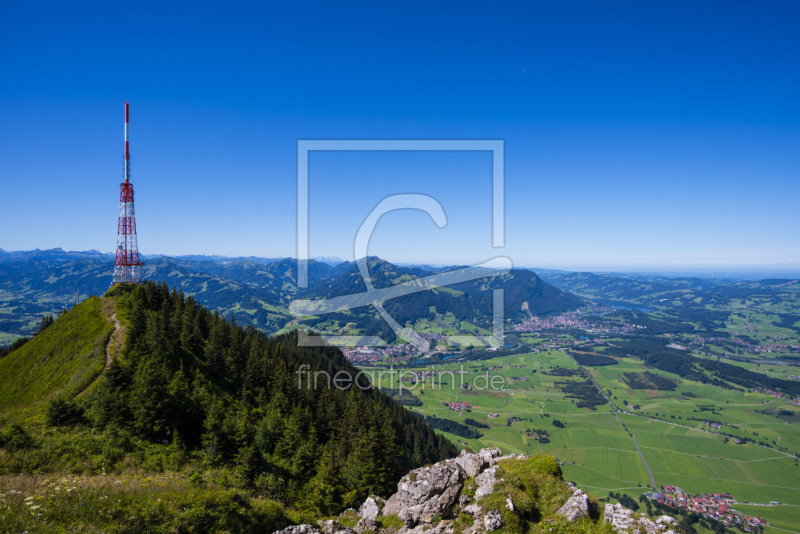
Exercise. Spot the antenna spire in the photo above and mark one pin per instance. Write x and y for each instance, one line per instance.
(127, 165)
(127, 265)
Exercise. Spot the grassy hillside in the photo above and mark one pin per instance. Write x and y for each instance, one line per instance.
(64, 358)
(203, 406)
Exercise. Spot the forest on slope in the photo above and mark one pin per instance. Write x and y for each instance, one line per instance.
(218, 396)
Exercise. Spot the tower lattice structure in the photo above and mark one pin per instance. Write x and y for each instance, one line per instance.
(127, 265)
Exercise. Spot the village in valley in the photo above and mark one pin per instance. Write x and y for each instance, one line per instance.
(445, 347)
(716, 506)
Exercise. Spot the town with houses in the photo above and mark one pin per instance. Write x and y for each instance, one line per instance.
(755, 348)
(715, 506)
(574, 320)
(762, 347)
(459, 407)
(404, 353)
(778, 395)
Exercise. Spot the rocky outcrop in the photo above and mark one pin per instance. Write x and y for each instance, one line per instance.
(367, 524)
(333, 527)
(426, 493)
(492, 521)
(625, 521)
(428, 499)
(490, 456)
(486, 482)
(576, 506)
(372, 507)
(472, 464)
(666, 521)
(443, 527)
(431, 493)
(298, 529)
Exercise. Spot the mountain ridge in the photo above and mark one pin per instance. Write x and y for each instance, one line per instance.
(259, 294)
(228, 396)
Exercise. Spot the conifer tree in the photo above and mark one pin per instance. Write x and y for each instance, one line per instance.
(234, 395)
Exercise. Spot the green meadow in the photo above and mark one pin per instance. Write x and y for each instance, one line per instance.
(785, 518)
(597, 453)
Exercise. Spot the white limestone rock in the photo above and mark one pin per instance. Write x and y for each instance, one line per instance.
(372, 507)
(486, 482)
(492, 521)
(576, 507)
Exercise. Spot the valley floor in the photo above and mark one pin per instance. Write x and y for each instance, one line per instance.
(530, 412)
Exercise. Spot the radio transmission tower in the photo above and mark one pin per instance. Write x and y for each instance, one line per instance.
(127, 267)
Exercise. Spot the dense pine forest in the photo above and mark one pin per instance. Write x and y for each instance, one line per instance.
(233, 396)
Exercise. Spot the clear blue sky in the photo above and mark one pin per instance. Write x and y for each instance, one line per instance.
(636, 133)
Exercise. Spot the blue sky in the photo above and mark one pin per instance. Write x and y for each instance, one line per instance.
(636, 133)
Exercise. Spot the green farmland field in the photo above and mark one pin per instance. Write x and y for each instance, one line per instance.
(598, 454)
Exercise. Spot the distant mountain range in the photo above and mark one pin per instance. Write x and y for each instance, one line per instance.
(660, 291)
(257, 291)
(63, 255)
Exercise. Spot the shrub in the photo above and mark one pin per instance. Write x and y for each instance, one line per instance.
(470, 486)
(16, 438)
(462, 523)
(545, 464)
(63, 412)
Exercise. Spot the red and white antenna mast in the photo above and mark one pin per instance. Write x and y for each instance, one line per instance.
(127, 267)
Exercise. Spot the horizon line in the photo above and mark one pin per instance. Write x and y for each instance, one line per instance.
(621, 267)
